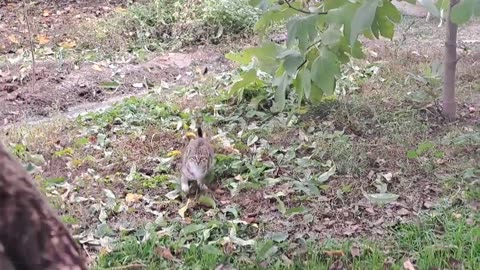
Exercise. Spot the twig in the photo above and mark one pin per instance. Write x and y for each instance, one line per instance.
(134, 266)
(304, 11)
(32, 48)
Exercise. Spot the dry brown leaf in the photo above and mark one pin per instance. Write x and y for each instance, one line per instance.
(42, 39)
(46, 13)
(132, 197)
(407, 265)
(334, 253)
(249, 219)
(165, 253)
(68, 44)
(14, 39)
(97, 68)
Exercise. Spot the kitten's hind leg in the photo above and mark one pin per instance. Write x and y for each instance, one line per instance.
(184, 183)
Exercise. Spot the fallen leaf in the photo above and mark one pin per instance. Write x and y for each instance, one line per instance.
(355, 251)
(403, 212)
(381, 198)
(182, 210)
(207, 202)
(249, 219)
(165, 253)
(42, 39)
(97, 68)
(407, 265)
(174, 153)
(456, 215)
(388, 176)
(334, 253)
(132, 197)
(13, 39)
(68, 44)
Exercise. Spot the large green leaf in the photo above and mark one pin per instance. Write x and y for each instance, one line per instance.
(291, 61)
(463, 11)
(342, 16)
(363, 19)
(265, 55)
(272, 16)
(324, 70)
(281, 83)
(332, 35)
(302, 29)
(386, 17)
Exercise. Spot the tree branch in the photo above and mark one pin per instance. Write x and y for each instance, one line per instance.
(304, 11)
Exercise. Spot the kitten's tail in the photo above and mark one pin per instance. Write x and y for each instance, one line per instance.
(199, 132)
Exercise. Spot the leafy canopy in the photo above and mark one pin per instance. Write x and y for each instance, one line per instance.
(320, 38)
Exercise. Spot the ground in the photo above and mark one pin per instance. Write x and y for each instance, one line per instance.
(287, 193)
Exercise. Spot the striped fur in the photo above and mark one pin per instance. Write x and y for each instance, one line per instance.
(197, 162)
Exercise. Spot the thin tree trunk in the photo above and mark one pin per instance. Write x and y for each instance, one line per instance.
(448, 96)
(31, 235)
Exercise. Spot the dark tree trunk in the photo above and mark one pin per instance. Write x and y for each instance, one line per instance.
(31, 235)
(448, 96)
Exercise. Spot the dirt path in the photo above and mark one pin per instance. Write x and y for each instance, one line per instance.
(63, 86)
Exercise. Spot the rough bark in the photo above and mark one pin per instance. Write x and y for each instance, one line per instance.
(31, 235)
(448, 95)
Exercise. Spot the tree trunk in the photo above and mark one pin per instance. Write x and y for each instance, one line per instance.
(448, 96)
(31, 235)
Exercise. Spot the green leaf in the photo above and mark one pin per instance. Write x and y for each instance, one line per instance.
(192, 228)
(411, 154)
(316, 94)
(266, 56)
(273, 16)
(281, 83)
(291, 61)
(240, 241)
(463, 11)
(279, 236)
(266, 250)
(302, 29)
(247, 78)
(109, 85)
(386, 16)
(324, 70)
(381, 198)
(342, 16)
(326, 175)
(252, 139)
(363, 19)
(332, 35)
(295, 211)
(207, 201)
(424, 147)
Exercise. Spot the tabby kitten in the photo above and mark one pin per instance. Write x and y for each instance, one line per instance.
(197, 162)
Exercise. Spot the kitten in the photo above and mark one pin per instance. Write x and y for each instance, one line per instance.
(197, 162)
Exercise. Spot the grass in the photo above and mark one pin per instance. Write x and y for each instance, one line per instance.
(165, 24)
(436, 242)
(291, 194)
